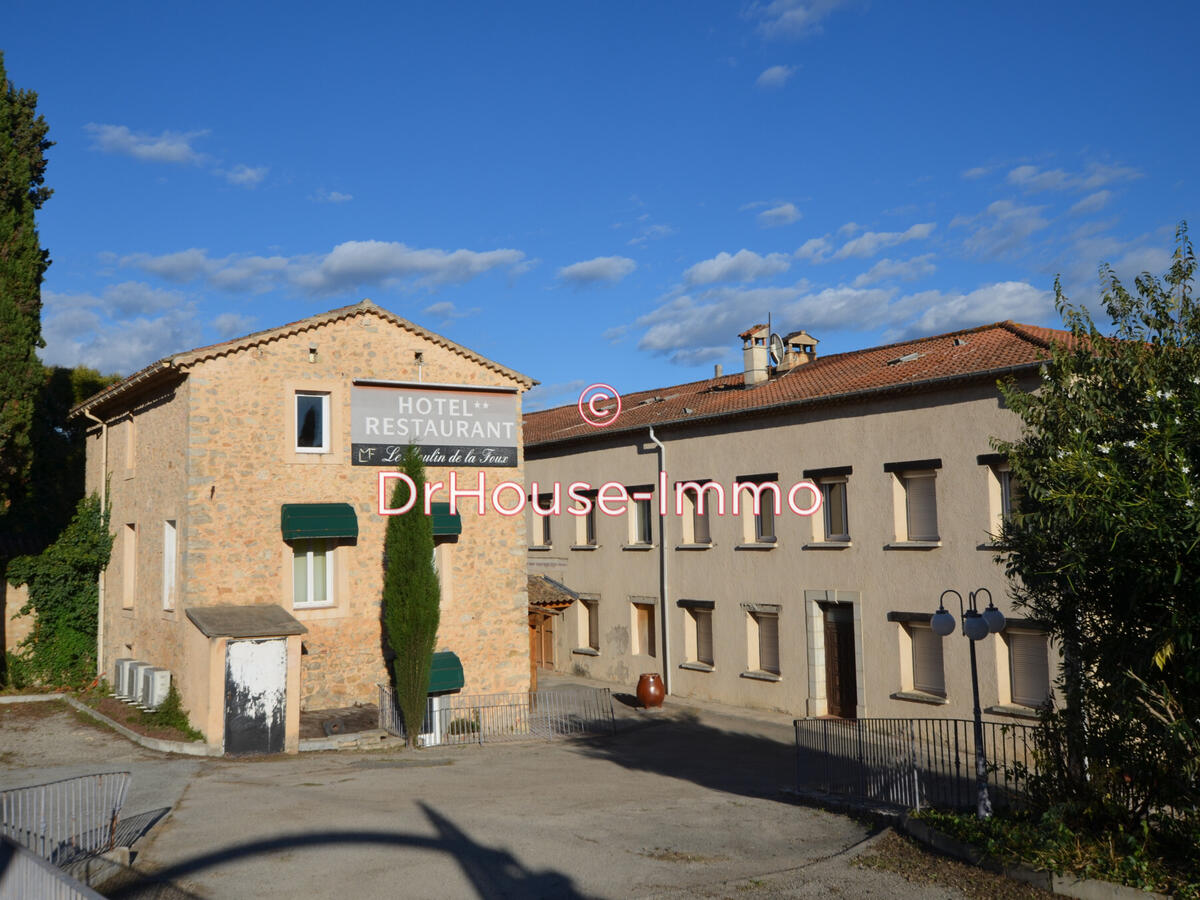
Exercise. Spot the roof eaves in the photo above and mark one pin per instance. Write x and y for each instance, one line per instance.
(801, 402)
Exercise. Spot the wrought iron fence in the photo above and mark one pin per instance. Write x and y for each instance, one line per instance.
(913, 763)
(488, 718)
(65, 820)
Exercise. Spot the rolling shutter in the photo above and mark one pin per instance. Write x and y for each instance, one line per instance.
(921, 497)
(768, 642)
(704, 645)
(1030, 668)
(928, 672)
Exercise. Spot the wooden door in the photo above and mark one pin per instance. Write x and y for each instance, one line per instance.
(534, 648)
(546, 661)
(255, 696)
(841, 682)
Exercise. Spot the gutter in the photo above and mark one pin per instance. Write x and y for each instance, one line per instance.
(104, 507)
(663, 584)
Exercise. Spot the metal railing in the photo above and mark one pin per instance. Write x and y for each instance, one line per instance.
(489, 718)
(65, 820)
(912, 763)
(24, 874)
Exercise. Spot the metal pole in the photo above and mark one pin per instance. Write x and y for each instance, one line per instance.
(983, 802)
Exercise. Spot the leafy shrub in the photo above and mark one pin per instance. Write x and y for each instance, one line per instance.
(171, 714)
(463, 725)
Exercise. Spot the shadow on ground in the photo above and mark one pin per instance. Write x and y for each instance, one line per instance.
(492, 873)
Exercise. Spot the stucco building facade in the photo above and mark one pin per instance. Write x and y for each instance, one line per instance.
(822, 614)
(242, 479)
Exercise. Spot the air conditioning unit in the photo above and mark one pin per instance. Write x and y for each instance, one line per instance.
(133, 687)
(155, 684)
(121, 677)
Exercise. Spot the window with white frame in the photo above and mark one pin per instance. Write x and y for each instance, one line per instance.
(312, 573)
(1028, 666)
(169, 549)
(312, 422)
(1004, 492)
(585, 525)
(644, 637)
(833, 523)
(928, 670)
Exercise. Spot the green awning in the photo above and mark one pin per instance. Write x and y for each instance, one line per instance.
(318, 520)
(444, 521)
(446, 673)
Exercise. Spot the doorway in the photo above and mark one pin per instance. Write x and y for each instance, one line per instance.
(841, 681)
(255, 696)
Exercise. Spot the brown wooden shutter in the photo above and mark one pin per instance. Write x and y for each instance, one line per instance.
(921, 497)
(928, 672)
(768, 642)
(1030, 668)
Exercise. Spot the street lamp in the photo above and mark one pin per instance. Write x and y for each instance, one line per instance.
(976, 626)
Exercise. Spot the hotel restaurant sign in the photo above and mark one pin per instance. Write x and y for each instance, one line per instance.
(450, 427)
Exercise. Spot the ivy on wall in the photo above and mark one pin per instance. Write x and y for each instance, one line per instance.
(64, 600)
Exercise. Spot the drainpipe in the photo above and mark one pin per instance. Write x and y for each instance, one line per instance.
(103, 505)
(663, 583)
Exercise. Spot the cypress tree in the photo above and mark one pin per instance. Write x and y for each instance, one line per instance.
(23, 262)
(410, 598)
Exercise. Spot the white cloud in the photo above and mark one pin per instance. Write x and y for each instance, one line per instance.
(897, 270)
(652, 233)
(167, 147)
(1002, 228)
(1091, 203)
(848, 229)
(792, 18)
(976, 172)
(782, 214)
(745, 265)
(775, 76)
(324, 196)
(935, 312)
(246, 176)
(137, 298)
(602, 269)
(447, 311)
(1095, 175)
(349, 265)
(230, 325)
(815, 250)
(871, 242)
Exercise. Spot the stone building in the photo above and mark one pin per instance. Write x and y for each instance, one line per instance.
(242, 479)
(811, 614)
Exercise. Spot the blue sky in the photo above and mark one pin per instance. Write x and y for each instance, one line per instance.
(598, 191)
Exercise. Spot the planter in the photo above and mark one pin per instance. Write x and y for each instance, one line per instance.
(650, 690)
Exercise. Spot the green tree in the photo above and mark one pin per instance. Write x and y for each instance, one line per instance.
(410, 598)
(64, 598)
(23, 262)
(1104, 548)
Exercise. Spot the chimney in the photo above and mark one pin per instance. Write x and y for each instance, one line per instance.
(754, 354)
(718, 371)
(800, 347)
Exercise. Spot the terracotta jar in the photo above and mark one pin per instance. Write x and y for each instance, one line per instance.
(650, 690)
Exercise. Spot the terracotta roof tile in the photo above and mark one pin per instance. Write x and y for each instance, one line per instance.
(923, 362)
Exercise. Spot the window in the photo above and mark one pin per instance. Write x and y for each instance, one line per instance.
(312, 573)
(928, 673)
(700, 531)
(693, 514)
(920, 509)
(541, 524)
(701, 622)
(641, 530)
(1004, 492)
(585, 525)
(1029, 667)
(764, 636)
(643, 629)
(759, 527)
(128, 565)
(168, 564)
(589, 624)
(312, 422)
(130, 442)
(833, 505)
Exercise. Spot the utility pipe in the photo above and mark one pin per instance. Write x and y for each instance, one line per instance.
(103, 506)
(663, 583)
